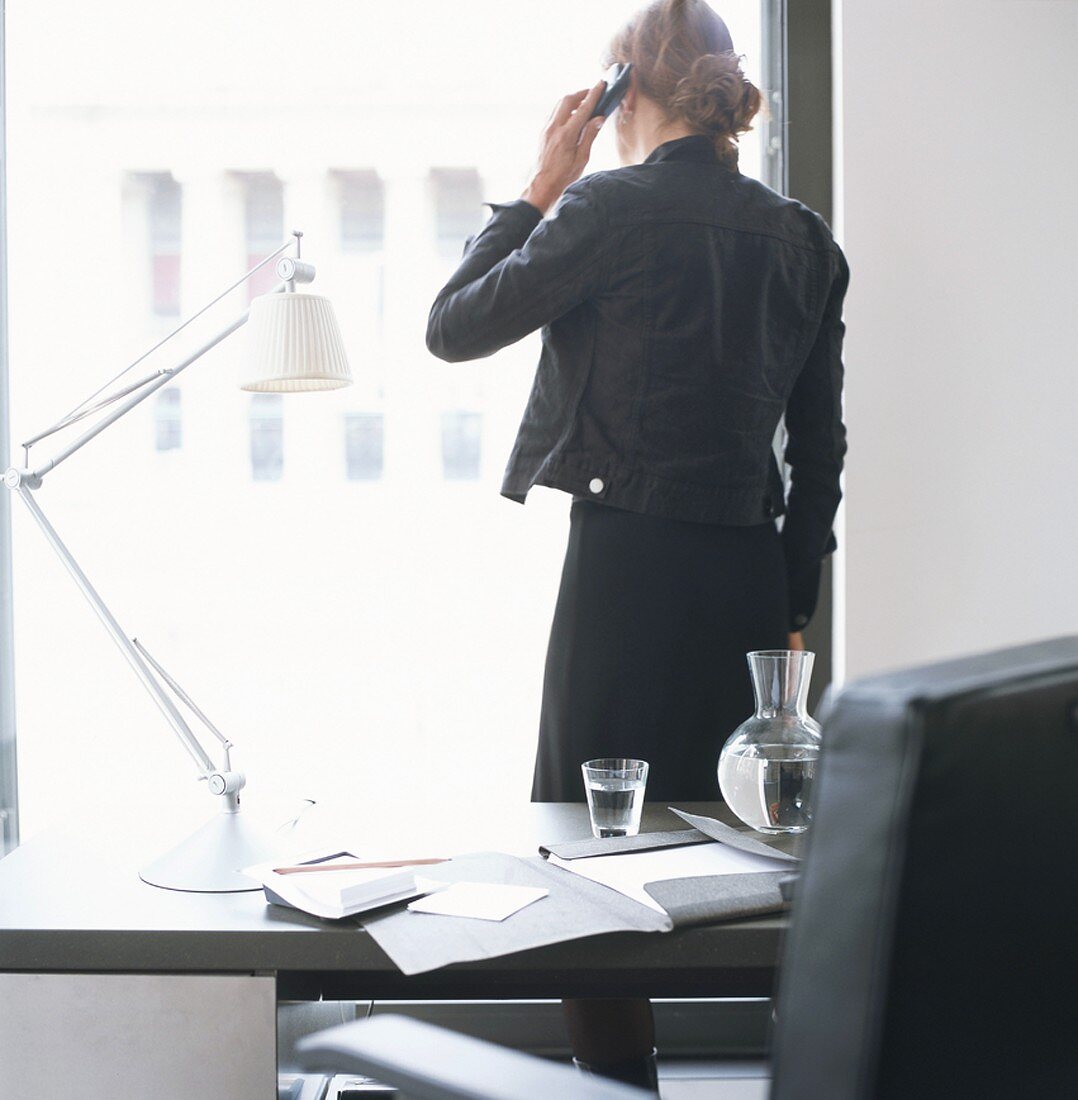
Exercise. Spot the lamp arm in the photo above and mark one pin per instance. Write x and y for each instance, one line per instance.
(33, 477)
(289, 271)
(25, 481)
(186, 699)
(83, 412)
(80, 410)
(134, 658)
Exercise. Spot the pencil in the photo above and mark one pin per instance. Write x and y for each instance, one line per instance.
(307, 868)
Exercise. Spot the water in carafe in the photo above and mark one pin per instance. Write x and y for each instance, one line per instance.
(769, 787)
(768, 765)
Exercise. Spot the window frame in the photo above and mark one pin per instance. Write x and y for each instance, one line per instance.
(806, 58)
(796, 39)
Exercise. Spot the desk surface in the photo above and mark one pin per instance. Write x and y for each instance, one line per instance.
(65, 906)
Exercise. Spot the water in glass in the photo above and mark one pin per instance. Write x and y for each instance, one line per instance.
(615, 806)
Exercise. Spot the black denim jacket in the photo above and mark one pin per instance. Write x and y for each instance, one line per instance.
(684, 309)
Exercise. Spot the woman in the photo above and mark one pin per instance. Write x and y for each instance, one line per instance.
(685, 309)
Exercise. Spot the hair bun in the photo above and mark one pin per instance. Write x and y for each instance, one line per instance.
(715, 96)
(683, 60)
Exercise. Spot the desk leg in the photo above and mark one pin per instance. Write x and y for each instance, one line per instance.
(166, 1036)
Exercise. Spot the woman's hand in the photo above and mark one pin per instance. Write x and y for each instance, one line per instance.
(796, 641)
(564, 147)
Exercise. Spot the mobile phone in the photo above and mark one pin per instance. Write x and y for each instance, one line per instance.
(617, 84)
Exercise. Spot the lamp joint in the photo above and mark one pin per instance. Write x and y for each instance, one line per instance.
(226, 782)
(294, 271)
(16, 478)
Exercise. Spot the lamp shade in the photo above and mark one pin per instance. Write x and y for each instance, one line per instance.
(294, 345)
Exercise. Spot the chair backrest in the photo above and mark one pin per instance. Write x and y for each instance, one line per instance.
(933, 949)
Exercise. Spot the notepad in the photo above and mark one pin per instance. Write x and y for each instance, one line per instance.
(350, 891)
(335, 894)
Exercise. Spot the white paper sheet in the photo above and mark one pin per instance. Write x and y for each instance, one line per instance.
(483, 900)
(628, 872)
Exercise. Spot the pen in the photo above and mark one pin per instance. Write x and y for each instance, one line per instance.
(309, 867)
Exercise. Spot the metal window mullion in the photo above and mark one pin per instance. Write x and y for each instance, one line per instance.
(9, 799)
(773, 48)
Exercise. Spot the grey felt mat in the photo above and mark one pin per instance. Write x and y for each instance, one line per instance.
(575, 907)
(696, 901)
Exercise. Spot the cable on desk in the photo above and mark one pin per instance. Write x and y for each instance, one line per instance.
(367, 1016)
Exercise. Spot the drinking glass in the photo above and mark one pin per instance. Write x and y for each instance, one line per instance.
(615, 789)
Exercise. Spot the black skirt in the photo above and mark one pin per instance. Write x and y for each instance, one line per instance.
(647, 650)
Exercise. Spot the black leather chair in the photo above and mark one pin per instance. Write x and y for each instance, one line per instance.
(933, 949)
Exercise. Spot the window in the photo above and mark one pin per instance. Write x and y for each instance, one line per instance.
(461, 434)
(263, 221)
(363, 446)
(267, 436)
(164, 208)
(344, 619)
(362, 214)
(458, 210)
(167, 424)
(362, 211)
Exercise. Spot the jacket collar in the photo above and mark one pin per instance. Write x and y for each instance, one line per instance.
(695, 147)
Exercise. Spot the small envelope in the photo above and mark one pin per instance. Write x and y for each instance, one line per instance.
(482, 900)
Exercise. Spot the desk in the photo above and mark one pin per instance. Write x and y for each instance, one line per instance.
(68, 911)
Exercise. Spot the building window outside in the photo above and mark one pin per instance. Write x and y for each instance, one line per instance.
(363, 205)
(167, 421)
(164, 207)
(364, 446)
(263, 216)
(458, 209)
(266, 417)
(461, 438)
(361, 209)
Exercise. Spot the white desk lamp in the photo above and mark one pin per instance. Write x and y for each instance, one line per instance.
(295, 345)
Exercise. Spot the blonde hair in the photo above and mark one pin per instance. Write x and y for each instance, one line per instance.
(683, 60)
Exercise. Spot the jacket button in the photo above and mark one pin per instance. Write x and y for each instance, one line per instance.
(596, 485)
(769, 506)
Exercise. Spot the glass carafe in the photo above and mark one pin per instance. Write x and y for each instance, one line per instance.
(768, 765)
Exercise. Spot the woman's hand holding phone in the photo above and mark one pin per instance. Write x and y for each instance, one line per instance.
(564, 147)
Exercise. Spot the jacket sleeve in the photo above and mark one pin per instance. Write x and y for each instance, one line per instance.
(519, 273)
(815, 449)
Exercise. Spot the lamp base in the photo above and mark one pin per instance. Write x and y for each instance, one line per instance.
(210, 860)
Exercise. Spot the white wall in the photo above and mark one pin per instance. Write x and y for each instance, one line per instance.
(957, 166)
